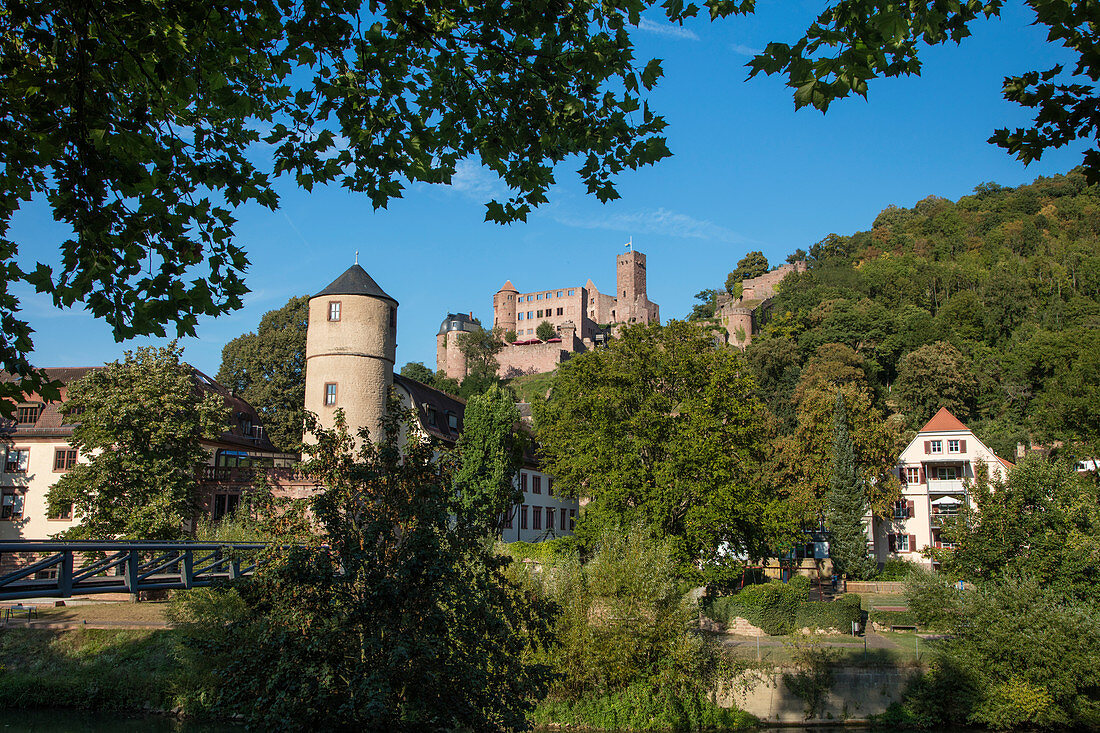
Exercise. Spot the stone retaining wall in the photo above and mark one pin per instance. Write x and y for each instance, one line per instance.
(856, 693)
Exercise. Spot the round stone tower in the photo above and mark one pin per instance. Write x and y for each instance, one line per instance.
(504, 307)
(351, 347)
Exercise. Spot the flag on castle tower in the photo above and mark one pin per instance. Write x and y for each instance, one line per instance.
(630, 245)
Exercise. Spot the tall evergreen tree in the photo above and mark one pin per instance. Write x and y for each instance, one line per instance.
(845, 503)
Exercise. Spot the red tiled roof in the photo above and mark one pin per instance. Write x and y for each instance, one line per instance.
(1005, 463)
(943, 420)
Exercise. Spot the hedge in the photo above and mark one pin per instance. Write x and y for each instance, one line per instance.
(778, 608)
(839, 614)
(892, 618)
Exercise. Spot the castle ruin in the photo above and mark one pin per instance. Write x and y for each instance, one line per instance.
(581, 316)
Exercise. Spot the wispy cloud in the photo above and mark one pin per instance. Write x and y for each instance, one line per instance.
(666, 28)
(743, 50)
(477, 182)
(653, 221)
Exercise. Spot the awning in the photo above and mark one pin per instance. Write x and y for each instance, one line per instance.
(945, 500)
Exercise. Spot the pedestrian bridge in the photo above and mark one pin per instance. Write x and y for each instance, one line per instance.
(52, 569)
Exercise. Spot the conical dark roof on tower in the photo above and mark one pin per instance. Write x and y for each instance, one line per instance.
(355, 281)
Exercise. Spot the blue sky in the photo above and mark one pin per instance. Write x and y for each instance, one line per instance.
(747, 173)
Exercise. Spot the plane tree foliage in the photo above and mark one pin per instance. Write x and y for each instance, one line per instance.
(852, 42)
(267, 368)
(663, 428)
(140, 425)
(134, 121)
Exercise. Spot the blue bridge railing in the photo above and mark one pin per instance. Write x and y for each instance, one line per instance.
(80, 568)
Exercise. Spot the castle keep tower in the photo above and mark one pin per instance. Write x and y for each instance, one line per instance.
(630, 276)
(504, 307)
(351, 347)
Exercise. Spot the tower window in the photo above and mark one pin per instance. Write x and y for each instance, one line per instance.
(330, 394)
(334, 310)
(393, 317)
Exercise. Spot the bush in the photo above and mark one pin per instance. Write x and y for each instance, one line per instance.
(896, 568)
(643, 707)
(933, 599)
(839, 614)
(770, 606)
(893, 618)
(546, 331)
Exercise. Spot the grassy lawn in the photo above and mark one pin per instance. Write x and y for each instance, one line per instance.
(107, 613)
(88, 668)
(529, 386)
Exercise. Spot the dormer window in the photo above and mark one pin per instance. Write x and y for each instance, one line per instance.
(246, 426)
(452, 420)
(334, 310)
(27, 415)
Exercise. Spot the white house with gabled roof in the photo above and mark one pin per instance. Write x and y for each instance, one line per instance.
(933, 470)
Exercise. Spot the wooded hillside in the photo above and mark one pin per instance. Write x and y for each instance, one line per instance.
(989, 305)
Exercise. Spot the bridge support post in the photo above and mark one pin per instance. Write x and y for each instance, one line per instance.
(133, 563)
(234, 569)
(65, 574)
(187, 572)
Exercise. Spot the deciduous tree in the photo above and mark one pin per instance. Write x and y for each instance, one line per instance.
(267, 368)
(934, 376)
(489, 455)
(662, 427)
(404, 621)
(141, 421)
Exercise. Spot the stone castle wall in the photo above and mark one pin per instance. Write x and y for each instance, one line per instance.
(530, 359)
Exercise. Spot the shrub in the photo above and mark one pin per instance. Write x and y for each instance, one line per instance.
(896, 568)
(770, 606)
(893, 618)
(545, 331)
(839, 614)
(932, 598)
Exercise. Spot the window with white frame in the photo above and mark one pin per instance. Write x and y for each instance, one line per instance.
(901, 543)
(334, 310)
(937, 446)
(952, 446)
(901, 509)
(947, 473)
(912, 475)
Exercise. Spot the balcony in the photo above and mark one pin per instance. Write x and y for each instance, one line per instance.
(946, 486)
(938, 517)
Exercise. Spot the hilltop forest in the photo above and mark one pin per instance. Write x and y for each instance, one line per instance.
(989, 305)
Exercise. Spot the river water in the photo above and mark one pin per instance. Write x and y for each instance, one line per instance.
(75, 721)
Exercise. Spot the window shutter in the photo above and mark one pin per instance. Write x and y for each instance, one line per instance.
(912, 543)
(962, 446)
(909, 507)
(922, 474)
(928, 446)
(892, 542)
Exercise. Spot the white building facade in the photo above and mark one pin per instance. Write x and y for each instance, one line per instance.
(934, 470)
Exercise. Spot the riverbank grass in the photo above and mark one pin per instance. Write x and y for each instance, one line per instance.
(89, 669)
